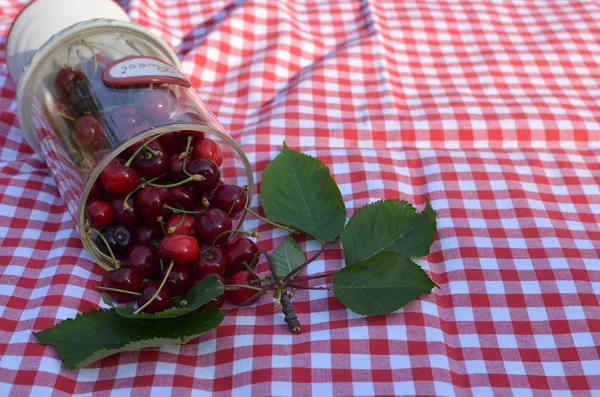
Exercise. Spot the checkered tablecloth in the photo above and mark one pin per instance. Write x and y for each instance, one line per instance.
(491, 108)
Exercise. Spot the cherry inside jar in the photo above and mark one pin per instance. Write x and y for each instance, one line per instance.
(134, 151)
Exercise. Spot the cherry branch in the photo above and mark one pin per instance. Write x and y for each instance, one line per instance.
(303, 287)
(253, 298)
(297, 270)
(315, 276)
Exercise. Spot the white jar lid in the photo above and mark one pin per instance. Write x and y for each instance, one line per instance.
(42, 19)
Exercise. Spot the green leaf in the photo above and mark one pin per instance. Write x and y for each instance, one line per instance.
(381, 284)
(197, 296)
(298, 190)
(287, 257)
(92, 336)
(388, 225)
(107, 300)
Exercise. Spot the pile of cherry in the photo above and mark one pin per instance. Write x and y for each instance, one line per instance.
(161, 216)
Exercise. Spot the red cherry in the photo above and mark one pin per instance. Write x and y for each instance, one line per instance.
(157, 105)
(198, 206)
(208, 149)
(150, 202)
(148, 233)
(219, 300)
(95, 191)
(181, 197)
(61, 111)
(143, 259)
(150, 165)
(201, 199)
(167, 142)
(209, 170)
(100, 213)
(196, 134)
(179, 281)
(162, 302)
(131, 149)
(180, 248)
(209, 262)
(239, 252)
(176, 173)
(66, 79)
(127, 217)
(125, 279)
(242, 277)
(211, 224)
(125, 118)
(89, 133)
(176, 142)
(118, 179)
(230, 198)
(178, 224)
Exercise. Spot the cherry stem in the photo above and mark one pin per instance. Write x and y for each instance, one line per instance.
(65, 116)
(241, 286)
(297, 270)
(187, 151)
(316, 276)
(124, 291)
(161, 222)
(112, 258)
(140, 186)
(144, 146)
(254, 260)
(173, 229)
(251, 270)
(79, 54)
(155, 153)
(245, 189)
(226, 232)
(262, 218)
(167, 206)
(253, 298)
(270, 262)
(302, 287)
(160, 287)
(278, 300)
(196, 178)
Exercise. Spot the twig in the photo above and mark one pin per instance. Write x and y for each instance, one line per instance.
(297, 270)
(315, 276)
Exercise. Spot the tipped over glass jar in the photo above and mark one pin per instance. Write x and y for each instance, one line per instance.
(134, 152)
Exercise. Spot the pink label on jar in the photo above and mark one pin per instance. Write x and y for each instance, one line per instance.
(142, 70)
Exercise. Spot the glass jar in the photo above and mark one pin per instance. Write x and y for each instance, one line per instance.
(101, 90)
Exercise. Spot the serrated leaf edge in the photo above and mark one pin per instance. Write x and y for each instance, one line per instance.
(415, 212)
(293, 245)
(285, 148)
(122, 347)
(333, 289)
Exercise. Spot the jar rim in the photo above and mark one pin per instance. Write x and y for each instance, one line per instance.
(167, 128)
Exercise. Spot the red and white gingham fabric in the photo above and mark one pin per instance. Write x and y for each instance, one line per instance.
(488, 107)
